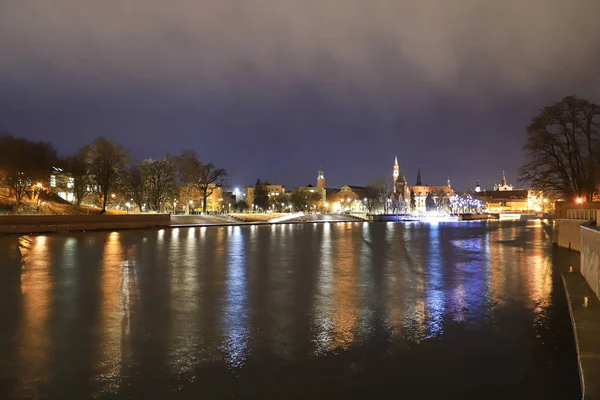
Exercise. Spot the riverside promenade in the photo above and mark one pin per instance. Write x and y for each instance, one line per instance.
(26, 224)
(585, 321)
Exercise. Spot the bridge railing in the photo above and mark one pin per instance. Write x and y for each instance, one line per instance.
(582, 213)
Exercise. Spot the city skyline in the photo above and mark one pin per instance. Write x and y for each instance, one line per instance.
(275, 92)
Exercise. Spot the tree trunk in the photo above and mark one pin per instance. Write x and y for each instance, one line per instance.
(104, 200)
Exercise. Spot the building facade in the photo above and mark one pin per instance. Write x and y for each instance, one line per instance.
(62, 183)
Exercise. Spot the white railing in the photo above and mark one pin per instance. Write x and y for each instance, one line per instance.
(582, 213)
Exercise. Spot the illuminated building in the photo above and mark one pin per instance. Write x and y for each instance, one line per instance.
(441, 195)
(505, 198)
(62, 183)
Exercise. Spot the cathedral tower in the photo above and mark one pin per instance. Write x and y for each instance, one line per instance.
(419, 183)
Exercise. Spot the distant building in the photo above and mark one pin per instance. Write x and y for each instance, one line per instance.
(440, 195)
(347, 199)
(62, 183)
(505, 198)
(274, 191)
(503, 186)
(401, 191)
(318, 193)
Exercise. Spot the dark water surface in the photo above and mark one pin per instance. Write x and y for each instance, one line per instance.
(337, 310)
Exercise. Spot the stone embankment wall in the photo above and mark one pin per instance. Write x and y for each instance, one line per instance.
(567, 233)
(58, 223)
(590, 253)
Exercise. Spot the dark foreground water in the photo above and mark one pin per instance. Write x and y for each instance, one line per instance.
(459, 310)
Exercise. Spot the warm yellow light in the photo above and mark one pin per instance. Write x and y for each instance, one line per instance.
(579, 200)
(39, 185)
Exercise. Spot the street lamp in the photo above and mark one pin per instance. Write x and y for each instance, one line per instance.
(127, 205)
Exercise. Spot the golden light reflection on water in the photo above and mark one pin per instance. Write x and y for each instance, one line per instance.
(119, 293)
(186, 339)
(34, 340)
(231, 295)
(336, 308)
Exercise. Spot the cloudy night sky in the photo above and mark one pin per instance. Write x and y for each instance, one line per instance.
(274, 89)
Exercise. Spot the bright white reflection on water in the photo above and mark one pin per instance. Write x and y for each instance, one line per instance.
(211, 312)
(235, 316)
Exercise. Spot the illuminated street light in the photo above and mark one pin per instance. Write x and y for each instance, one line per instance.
(579, 200)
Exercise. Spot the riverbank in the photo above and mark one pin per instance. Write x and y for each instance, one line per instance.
(585, 322)
(26, 224)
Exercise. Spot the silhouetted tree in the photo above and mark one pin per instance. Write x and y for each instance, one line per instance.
(160, 181)
(429, 202)
(371, 200)
(105, 160)
(189, 169)
(261, 196)
(211, 177)
(135, 185)
(562, 148)
(241, 206)
(77, 167)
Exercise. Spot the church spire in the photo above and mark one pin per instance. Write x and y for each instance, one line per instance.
(449, 185)
(419, 183)
(395, 161)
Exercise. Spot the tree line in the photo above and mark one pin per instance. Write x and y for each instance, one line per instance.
(103, 167)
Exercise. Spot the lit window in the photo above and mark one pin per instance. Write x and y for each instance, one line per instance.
(53, 180)
(71, 183)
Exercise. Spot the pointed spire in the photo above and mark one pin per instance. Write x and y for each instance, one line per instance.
(449, 185)
(419, 183)
(395, 161)
(503, 178)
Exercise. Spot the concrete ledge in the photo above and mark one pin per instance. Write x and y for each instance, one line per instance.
(567, 233)
(57, 223)
(586, 329)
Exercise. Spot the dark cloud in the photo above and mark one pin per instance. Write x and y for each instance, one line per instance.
(376, 66)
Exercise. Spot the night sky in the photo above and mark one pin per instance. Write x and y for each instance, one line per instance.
(275, 89)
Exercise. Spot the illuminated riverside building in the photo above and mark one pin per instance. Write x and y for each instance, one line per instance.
(441, 196)
(505, 198)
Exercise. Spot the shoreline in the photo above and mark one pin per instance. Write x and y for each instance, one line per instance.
(37, 225)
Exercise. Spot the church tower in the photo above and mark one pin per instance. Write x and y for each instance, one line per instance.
(419, 183)
(321, 179)
(448, 184)
(396, 172)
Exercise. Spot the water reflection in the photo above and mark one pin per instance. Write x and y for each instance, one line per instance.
(35, 345)
(164, 309)
(234, 316)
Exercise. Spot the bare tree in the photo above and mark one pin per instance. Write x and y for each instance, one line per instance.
(210, 178)
(372, 198)
(189, 170)
(135, 185)
(105, 160)
(384, 189)
(77, 169)
(562, 148)
(160, 181)
(439, 197)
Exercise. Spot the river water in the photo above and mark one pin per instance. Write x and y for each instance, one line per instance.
(335, 310)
